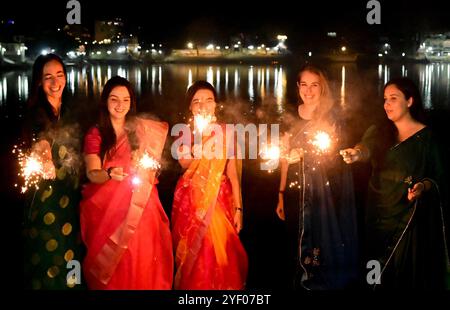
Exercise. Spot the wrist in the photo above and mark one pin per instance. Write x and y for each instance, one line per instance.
(359, 153)
(108, 172)
(424, 186)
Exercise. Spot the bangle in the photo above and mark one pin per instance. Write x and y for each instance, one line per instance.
(281, 191)
(239, 209)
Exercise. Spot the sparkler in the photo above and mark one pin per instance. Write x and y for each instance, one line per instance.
(32, 169)
(148, 162)
(202, 120)
(271, 153)
(322, 141)
(136, 180)
(145, 162)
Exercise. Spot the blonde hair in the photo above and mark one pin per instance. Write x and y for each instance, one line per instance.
(326, 99)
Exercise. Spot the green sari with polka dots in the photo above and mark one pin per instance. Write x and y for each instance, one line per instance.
(51, 222)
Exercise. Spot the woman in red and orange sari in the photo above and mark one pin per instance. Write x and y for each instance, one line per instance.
(123, 224)
(207, 209)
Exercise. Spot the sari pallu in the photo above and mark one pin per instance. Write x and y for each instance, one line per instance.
(124, 226)
(208, 252)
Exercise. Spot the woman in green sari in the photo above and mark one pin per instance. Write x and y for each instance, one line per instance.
(405, 219)
(51, 229)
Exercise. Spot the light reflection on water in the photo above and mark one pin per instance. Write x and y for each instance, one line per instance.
(164, 85)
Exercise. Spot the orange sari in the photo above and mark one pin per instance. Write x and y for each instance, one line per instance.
(208, 252)
(123, 225)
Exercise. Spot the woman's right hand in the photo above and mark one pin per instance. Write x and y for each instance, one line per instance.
(350, 155)
(43, 149)
(280, 207)
(117, 174)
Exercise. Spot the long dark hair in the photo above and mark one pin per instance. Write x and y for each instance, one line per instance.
(387, 131)
(37, 94)
(410, 90)
(105, 127)
(196, 86)
(39, 116)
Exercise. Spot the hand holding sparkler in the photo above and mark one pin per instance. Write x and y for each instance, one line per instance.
(43, 150)
(294, 156)
(351, 155)
(116, 173)
(271, 154)
(416, 191)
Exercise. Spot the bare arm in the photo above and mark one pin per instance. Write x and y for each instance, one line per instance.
(358, 153)
(236, 189)
(94, 170)
(283, 178)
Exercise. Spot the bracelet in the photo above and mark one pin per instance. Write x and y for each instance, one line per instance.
(239, 209)
(108, 171)
(281, 191)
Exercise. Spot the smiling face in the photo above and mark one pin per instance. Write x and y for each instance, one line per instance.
(396, 105)
(203, 102)
(309, 88)
(53, 80)
(119, 102)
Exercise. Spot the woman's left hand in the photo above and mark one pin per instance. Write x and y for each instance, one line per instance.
(416, 191)
(238, 216)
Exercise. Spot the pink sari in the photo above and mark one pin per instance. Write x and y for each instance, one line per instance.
(123, 225)
(208, 252)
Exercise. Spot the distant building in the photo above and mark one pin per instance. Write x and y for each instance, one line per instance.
(12, 53)
(436, 47)
(108, 30)
(77, 32)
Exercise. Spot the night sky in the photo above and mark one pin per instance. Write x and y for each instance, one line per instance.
(175, 21)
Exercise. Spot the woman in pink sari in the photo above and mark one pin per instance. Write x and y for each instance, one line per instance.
(207, 210)
(123, 224)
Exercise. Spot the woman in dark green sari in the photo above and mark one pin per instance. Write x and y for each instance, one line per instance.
(405, 218)
(51, 229)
